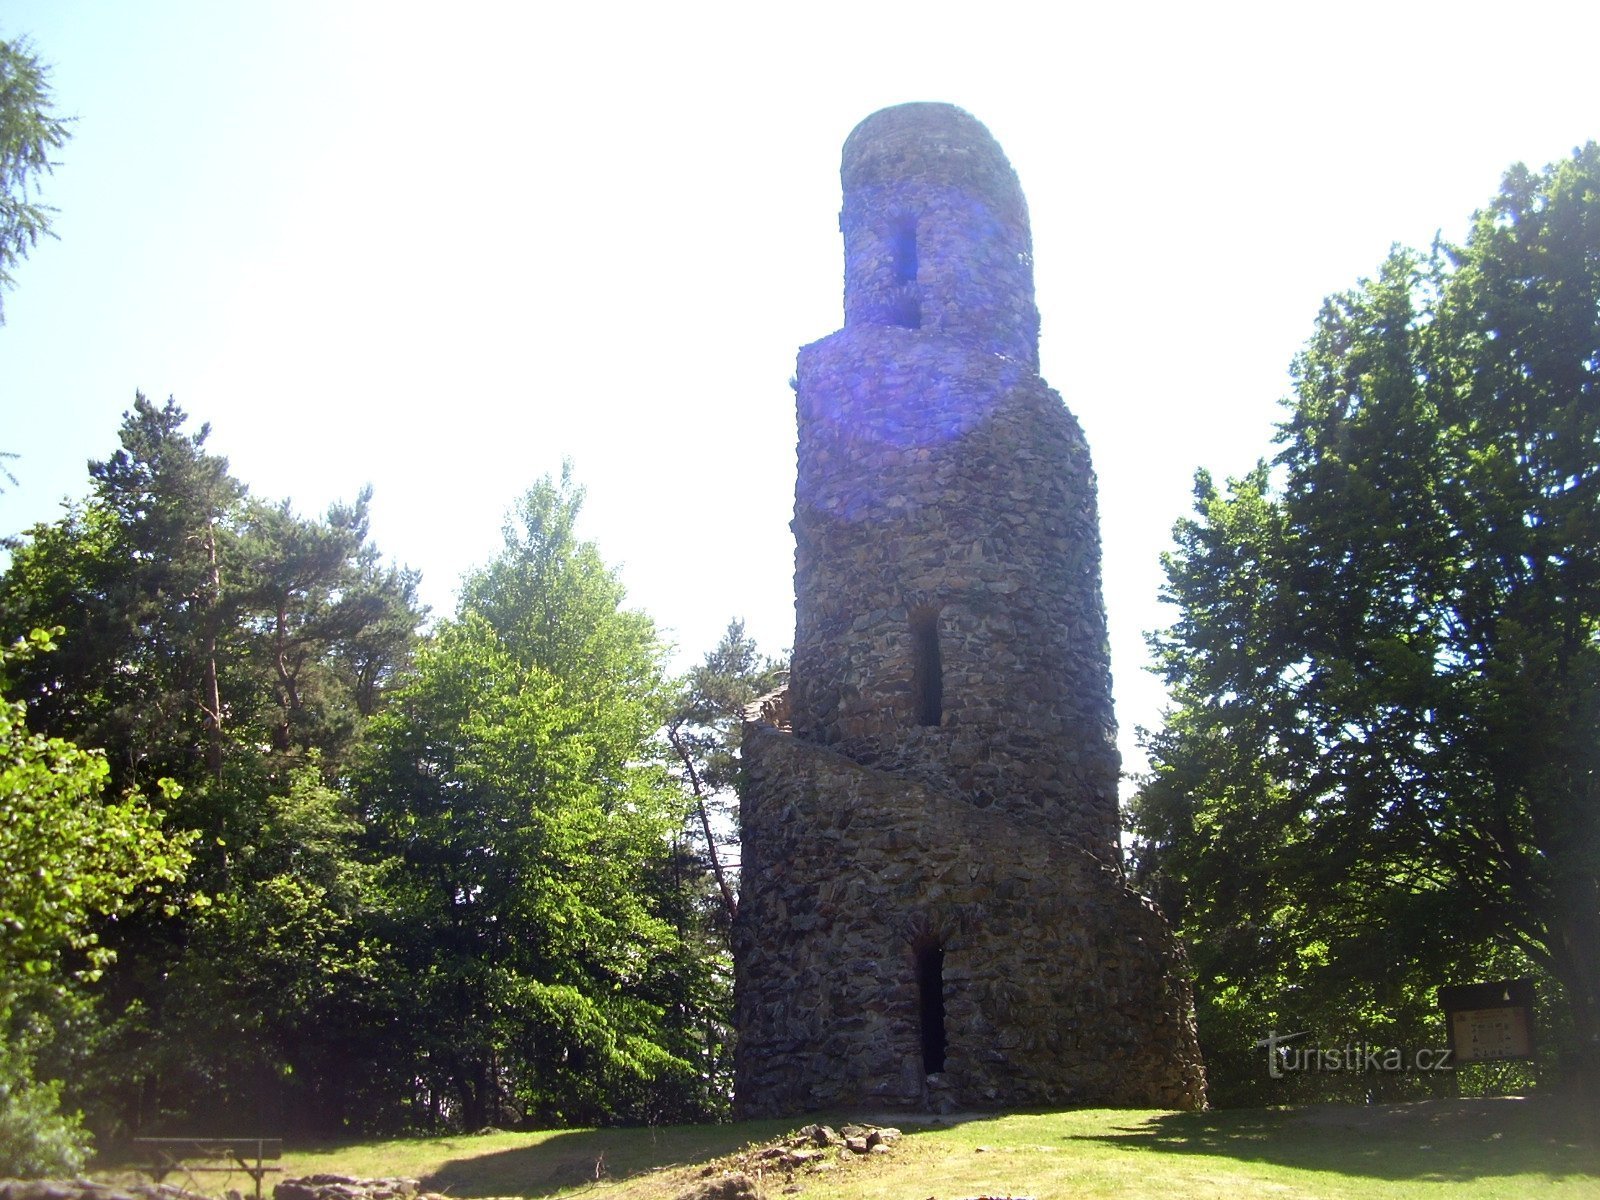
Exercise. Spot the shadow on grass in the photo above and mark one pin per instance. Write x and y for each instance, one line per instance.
(583, 1156)
(1447, 1141)
(577, 1157)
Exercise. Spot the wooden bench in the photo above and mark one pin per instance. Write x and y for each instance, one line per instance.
(167, 1155)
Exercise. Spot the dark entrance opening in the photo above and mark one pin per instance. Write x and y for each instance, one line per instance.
(930, 1004)
(905, 308)
(927, 673)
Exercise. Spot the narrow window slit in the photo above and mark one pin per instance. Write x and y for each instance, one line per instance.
(904, 243)
(906, 301)
(927, 674)
(930, 1004)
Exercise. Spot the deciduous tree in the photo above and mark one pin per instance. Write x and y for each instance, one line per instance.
(519, 783)
(1382, 772)
(72, 859)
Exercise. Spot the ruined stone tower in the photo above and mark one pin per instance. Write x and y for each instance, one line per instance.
(933, 911)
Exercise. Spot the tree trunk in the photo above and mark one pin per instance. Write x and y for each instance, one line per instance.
(288, 683)
(1576, 959)
(212, 702)
(730, 903)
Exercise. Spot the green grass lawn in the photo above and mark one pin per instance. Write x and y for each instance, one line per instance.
(1468, 1148)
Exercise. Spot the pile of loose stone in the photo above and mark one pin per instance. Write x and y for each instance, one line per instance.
(814, 1142)
(348, 1187)
(88, 1189)
(815, 1148)
(309, 1187)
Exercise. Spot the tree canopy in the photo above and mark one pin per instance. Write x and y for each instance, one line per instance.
(519, 782)
(704, 732)
(411, 879)
(226, 651)
(1381, 773)
(29, 133)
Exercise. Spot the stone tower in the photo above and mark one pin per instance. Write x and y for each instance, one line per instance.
(933, 911)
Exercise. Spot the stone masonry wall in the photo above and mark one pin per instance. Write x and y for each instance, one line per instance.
(934, 476)
(929, 177)
(1061, 985)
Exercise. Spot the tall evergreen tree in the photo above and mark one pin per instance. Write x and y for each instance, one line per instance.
(29, 132)
(704, 731)
(236, 649)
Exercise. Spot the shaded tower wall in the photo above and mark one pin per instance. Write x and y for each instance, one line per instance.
(947, 562)
(1055, 982)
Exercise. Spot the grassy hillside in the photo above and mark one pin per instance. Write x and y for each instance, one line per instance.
(1460, 1149)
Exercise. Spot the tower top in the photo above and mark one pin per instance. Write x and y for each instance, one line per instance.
(933, 145)
(936, 231)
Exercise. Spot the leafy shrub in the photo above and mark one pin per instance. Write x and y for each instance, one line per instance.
(36, 1138)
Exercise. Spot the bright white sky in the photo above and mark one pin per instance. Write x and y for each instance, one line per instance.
(439, 247)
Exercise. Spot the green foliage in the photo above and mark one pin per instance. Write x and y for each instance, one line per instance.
(439, 890)
(709, 715)
(238, 649)
(518, 783)
(1381, 774)
(703, 731)
(334, 623)
(72, 857)
(200, 624)
(37, 1139)
(269, 1002)
(28, 134)
(134, 577)
(72, 861)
